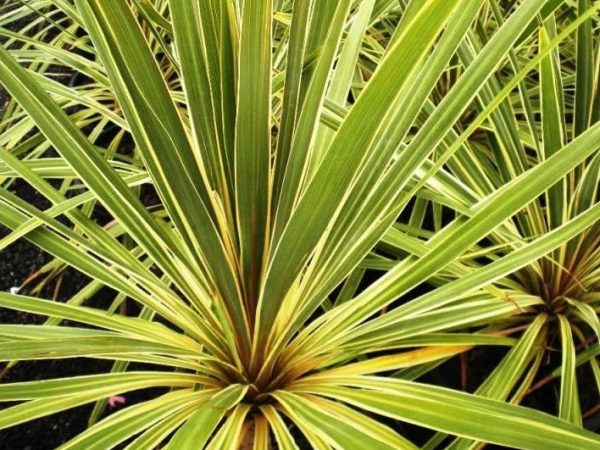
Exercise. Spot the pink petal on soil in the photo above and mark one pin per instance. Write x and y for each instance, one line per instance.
(116, 400)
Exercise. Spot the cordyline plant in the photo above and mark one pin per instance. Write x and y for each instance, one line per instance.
(285, 140)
